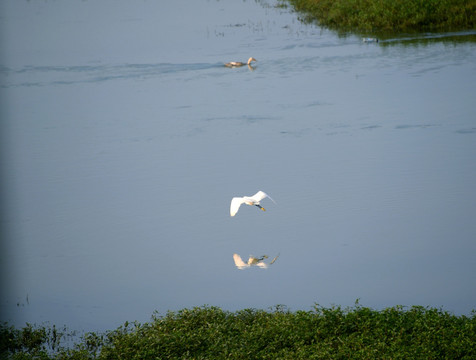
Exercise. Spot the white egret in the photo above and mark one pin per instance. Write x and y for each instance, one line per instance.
(232, 64)
(252, 261)
(248, 200)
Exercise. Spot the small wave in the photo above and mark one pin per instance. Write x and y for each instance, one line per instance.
(466, 131)
(68, 75)
(430, 37)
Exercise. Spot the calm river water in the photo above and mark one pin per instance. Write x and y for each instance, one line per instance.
(124, 139)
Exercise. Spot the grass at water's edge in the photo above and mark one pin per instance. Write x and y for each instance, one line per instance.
(211, 333)
(380, 16)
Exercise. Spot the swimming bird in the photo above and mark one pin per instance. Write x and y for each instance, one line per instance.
(239, 63)
(248, 200)
(252, 261)
(369, 40)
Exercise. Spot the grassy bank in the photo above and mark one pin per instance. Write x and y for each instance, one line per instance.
(211, 333)
(389, 15)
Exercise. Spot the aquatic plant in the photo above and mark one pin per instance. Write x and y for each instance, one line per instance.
(211, 333)
(389, 16)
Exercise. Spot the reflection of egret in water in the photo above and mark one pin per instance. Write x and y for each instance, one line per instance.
(248, 200)
(252, 261)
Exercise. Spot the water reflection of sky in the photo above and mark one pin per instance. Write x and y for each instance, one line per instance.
(125, 140)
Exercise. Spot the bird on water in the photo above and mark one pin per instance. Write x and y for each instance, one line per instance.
(232, 64)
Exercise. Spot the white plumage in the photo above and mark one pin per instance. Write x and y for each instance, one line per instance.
(252, 261)
(248, 200)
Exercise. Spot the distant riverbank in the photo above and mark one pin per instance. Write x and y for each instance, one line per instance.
(377, 16)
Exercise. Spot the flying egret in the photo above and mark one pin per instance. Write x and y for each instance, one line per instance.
(252, 261)
(232, 64)
(248, 200)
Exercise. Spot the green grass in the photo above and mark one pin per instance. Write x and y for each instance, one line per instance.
(211, 333)
(389, 16)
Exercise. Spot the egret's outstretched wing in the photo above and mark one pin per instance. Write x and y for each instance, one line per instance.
(260, 195)
(270, 198)
(240, 264)
(235, 205)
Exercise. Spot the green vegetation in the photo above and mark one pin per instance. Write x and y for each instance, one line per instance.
(211, 333)
(389, 15)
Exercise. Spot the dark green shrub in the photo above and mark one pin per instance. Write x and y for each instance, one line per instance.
(211, 333)
(389, 16)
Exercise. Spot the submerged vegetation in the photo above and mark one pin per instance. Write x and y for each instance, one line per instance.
(211, 333)
(389, 15)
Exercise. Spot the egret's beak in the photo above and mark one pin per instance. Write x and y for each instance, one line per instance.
(263, 209)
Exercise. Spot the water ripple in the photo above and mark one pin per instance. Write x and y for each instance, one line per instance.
(67, 75)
